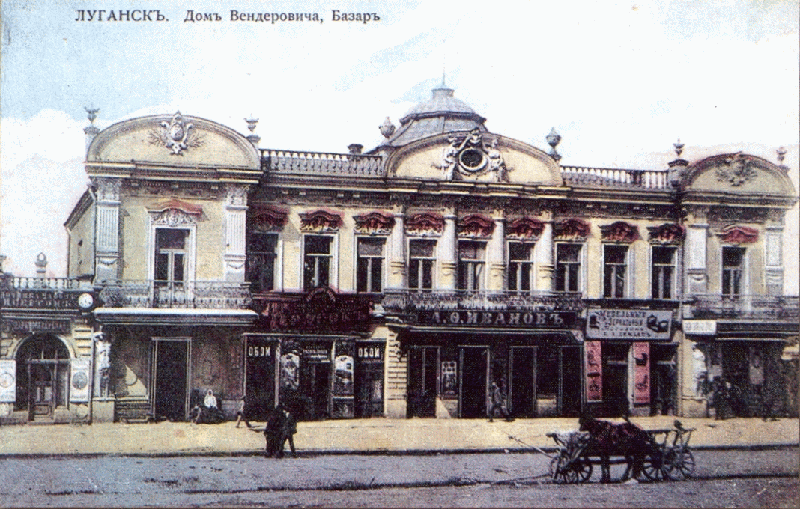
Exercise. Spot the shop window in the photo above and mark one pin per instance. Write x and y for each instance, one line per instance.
(663, 272)
(547, 372)
(421, 258)
(614, 271)
(568, 267)
(732, 269)
(317, 261)
(262, 251)
(370, 265)
(471, 264)
(170, 257)
(520, 267)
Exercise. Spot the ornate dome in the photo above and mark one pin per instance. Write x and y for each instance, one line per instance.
(440, 114)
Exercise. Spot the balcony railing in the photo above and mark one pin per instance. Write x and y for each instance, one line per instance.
(289, 161)
(178, 294)
(41, 293)
(744, 306)
(615, 177)
(401, 301)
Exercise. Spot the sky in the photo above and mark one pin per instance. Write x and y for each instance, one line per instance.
(621, 81)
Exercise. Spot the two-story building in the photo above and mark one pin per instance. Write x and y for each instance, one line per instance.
(407, 280)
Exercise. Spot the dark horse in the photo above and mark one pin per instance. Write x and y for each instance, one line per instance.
(623, 439)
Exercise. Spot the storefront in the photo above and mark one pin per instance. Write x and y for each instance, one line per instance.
(630, 362)
(316, 356)
(455, 356)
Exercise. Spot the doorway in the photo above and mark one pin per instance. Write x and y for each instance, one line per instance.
(315, 386)
(42, 376)
(615, 379)
(474, 375)
(171, 397)
(260, 378)
(423, 362)
(570, 396)
(522, 388)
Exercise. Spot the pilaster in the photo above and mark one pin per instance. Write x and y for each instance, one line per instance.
(107, 229)
(496, 254)
(235, 232)
(447, 253)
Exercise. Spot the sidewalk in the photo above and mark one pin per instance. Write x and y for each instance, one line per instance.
(408, 436)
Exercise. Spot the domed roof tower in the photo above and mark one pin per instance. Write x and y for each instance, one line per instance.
(441, 113)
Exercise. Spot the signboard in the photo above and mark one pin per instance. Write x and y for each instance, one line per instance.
(8, 381)
(700, 327)
(515, 319)
(79, 381)
(31, 325)
(641, 373)
(321, 310)
(636, 324)
(594, 371)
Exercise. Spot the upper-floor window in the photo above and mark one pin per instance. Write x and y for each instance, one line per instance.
(732, 270)
(662, 280)
(261, 256)
(421, 260)
(171, 256)
(317, 261)
(614, 271)
(568, 267)
(520, 266)
(471, 264)
(369, 270)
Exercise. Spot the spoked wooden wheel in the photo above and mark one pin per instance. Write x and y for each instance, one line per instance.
(679, 464)
(583, 470)
(652, 467)
(561, 471)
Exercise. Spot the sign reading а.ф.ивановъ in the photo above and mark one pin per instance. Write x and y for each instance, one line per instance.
(628, 324)
(531, 319)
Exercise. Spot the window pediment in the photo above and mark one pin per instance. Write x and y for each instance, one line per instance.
(320, 221)
(571, 229)
(734, 234)
(374, 223)
(425, 224)
(475, 226)
(267, 219)
(525, 228)
(620, 232)
(667, 233)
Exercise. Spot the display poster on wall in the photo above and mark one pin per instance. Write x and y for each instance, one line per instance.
(641, 373)
(79, 381)
(8, 381)
(756, 366)
(594, 371)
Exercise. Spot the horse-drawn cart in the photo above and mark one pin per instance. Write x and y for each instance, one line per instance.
(652, 454)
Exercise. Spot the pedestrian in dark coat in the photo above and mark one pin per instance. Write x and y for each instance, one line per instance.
(273, 432)
(288, 429)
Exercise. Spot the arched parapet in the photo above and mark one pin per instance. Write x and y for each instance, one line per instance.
(739, 174)
(475, 156)
(172, 141)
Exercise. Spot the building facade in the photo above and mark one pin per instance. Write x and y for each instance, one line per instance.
(406, 281)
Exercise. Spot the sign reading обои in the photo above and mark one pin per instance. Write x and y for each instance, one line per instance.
(628, 324)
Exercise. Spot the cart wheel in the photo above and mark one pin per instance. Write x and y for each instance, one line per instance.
(681, 465)
(652, 467)
(561, 471)
(583, 470)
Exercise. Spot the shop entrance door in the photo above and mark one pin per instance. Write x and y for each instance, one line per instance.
(615, 379)
(522, 389)
(315, 385)
(571, 361)
(260, 378)
(422, 381)
(170, 389)
(42, 376)
(473, 391)
(662, 386)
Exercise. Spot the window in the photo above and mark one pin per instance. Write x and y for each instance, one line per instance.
(663, 272)
(732, 265)
(420, 264)
(262, 249)
(471, 262)
(614, 278)
(317, 261)
(369, 268)
(170, 256)
(520, 267)
(568, 267)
